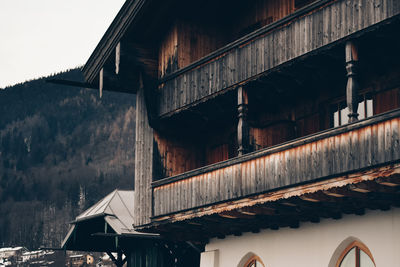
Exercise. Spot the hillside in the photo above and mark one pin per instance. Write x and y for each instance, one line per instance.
(61, 150)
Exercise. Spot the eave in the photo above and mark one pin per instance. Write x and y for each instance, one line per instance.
(376, 189)
(343, 170)
(113, 35)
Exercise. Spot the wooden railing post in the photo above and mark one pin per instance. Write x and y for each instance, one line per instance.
(352, 83)
(242, 127)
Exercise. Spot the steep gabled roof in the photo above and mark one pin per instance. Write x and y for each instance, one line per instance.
(113, 35)
(117, 211)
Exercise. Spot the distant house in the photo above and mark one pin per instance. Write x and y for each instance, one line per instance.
(81, 260)
(43, 258)
(107, 226)
(12, 254)
(267, 131)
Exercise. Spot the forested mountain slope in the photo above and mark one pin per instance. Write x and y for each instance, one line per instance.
(61, 150)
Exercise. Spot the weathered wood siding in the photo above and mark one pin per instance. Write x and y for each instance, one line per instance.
(176, 156)
(185, 43)
(386, 100)
(143, 162)
(345, 149)
(272, 135)
(262, 12)
(252, 57)
(168, 52)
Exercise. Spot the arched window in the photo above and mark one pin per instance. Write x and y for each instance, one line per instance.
(356, 255)
(254, 262)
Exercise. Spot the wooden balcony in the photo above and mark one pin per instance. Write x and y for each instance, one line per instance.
(356, 147)
(314, 27)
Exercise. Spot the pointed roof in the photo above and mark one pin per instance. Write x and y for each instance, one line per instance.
(116, 210)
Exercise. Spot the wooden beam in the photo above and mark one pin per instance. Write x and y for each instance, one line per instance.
(235, 214)
(341, 192)
(362, 188)
(333, 193)
(389, 181)
(259, 210)
(309, 198)
(317, 197)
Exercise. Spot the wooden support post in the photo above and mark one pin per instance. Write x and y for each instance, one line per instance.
(119, 258)
(119, 261)
(242, 127)
(143, 159)
(352, 84)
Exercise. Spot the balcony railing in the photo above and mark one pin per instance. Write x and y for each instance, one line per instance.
(308, 29)
(358, 146)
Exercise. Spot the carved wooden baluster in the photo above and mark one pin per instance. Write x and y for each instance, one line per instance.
(242, 128)
(352, 83)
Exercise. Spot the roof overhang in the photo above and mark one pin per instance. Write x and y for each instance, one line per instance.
(99, 233)
(111, 38)
(353, 193)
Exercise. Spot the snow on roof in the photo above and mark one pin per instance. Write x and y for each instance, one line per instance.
(76, 256)
(36, 252)
(12, 249)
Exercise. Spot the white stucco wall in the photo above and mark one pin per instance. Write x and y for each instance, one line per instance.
(312, 245)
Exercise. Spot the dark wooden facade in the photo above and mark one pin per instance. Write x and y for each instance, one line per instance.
(269, 47)
(359, 146)
(241, 104)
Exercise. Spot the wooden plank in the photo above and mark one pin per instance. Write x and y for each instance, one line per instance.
(260, 174)
(211, 78)
(260, 55)
(197, 90)
(252, 176)
(381, 144)
(143, 162)
(298, 174)
(388, 141)
(214, 192)
(194, 191)
(362, 157)
(273, 177)
(396, 139)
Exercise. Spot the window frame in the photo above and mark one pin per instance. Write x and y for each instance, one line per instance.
(253, 259)
(359, 246)
(340, 104)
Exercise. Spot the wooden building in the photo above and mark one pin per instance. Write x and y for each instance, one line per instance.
(267, 131)
(108, 226)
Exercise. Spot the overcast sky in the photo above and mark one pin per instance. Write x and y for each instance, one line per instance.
(41, 37)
